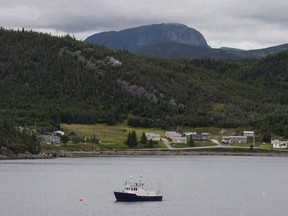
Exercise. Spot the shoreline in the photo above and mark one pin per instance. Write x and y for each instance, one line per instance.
(165, 152)
(151, 152)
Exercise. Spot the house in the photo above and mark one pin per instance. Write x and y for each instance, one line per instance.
(179, 139)
(234, 139)
(48, 139)
(238, 139)
(171, 134)
(175, 137)
(248, 133)
(153, 136)
(279, 143)
(197, 136)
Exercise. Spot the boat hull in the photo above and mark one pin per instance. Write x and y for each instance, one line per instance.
(128, 197)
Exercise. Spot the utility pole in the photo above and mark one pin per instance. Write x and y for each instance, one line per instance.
(94, 142)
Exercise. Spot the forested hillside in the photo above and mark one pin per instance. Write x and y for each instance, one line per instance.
(49, 80)
(17, 140)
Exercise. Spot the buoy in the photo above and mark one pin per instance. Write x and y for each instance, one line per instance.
(81, 199)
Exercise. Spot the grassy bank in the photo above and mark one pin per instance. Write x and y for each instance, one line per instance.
(111, 137)
(116, 133)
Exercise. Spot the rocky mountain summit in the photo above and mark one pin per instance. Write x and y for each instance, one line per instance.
(135, 38)
(173, 40)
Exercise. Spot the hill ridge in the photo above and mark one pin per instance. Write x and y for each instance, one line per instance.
(52, 80)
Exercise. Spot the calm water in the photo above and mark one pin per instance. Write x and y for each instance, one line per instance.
(216, 186)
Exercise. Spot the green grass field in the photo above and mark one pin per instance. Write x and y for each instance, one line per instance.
(116, 133)
(111, 137)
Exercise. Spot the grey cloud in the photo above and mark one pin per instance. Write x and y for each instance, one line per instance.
(76, 23)
(277, 19)
(265, 11)
(222, 22)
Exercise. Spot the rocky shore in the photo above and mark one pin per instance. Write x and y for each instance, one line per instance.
(120, 153)
(166, 153)
(7, 154)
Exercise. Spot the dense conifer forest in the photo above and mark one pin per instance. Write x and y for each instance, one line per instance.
(47, 80)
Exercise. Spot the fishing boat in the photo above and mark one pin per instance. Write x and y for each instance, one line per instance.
(137, 191)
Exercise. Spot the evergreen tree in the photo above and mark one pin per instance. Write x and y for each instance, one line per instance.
(266, 137)
(191, 141)
(150, 143)
(129, 140)
(65, 139)
(134, 138)
(143, 138)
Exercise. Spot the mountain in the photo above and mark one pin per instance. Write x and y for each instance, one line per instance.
(172, 41)
(134, 38)
(46, 81)
(259, 53)
(176, 50)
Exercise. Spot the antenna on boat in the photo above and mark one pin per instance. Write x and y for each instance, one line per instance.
(130, 180)
(160, 186)
(141, 174)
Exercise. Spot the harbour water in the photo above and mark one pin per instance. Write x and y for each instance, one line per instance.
(191, 185)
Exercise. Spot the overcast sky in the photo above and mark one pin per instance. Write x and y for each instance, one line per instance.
(246, 24)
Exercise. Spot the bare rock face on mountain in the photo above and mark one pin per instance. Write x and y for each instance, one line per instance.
(136, 38)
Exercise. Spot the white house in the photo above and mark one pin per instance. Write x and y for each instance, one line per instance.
(238, 139)
(175, 137)
(248, 133)
(153, 136)
(179, 139)
(197, 136)
(279, 143)
(171, 134)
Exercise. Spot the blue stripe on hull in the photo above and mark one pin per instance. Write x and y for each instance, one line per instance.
(126, 197)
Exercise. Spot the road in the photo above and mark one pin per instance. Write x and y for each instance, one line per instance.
(167, 143)
(218, 145)
(216, 142)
